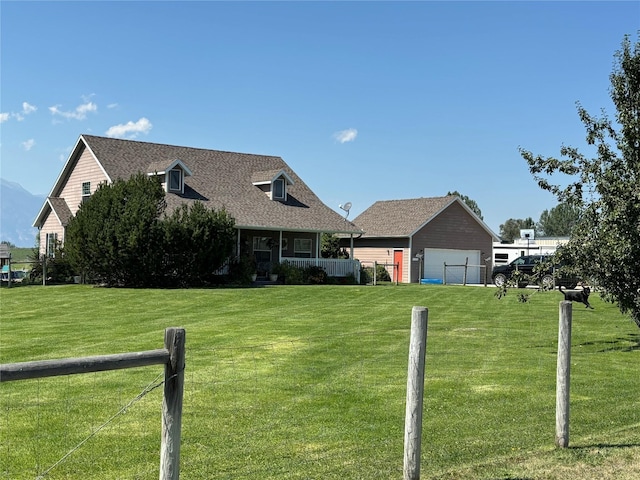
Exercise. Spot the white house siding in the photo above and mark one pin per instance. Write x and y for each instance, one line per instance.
(87, 169)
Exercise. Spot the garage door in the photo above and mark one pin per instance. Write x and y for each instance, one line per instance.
(435, 258)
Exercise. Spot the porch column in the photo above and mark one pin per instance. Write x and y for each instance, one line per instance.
(280, 248)
(351, 248)
(318, 236)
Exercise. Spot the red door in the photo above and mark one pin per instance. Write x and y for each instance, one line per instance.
(397, 269)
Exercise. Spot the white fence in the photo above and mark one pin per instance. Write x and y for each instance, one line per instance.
(333, 266)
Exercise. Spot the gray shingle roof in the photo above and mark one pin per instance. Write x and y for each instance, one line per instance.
(224, 180)
(400, 218)
(61, 209)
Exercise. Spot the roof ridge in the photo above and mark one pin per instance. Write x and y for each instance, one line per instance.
(114, 139)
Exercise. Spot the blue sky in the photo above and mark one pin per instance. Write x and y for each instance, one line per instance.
(365, 101)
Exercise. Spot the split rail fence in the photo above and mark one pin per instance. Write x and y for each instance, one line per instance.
(172, 356)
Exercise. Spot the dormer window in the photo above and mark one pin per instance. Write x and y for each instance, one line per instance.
(273, 183)
(172, 175)
(175, 180)
(278, 191)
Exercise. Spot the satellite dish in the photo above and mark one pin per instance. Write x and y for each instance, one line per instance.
(346, 207)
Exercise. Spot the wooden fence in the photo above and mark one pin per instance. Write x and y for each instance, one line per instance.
(172, 356)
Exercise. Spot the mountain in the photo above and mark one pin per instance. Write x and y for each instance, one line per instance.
(18, 210)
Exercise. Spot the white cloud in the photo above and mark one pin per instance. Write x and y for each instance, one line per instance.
(344, 136)
(28, 145)
(130, 129)
(27, 108)
(80, 113)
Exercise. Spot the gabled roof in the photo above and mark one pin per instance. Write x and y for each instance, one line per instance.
(262, 178)
(219, 180)
(59, 207)
(164, 166)
(404, 218)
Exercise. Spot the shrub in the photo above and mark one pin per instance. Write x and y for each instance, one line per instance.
(314, 275)
(241, 270)
(366, 274)
(291, 274)
(58, 270)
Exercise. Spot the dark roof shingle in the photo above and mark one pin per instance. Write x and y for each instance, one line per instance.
(400, 218)
(224, 180)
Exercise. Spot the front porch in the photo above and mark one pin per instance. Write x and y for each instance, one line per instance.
(268, 249)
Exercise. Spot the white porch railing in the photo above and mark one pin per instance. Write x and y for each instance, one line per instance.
(333, 266)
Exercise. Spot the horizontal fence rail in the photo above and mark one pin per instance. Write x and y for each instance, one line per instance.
(70, 366)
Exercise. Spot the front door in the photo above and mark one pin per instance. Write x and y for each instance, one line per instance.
(262, 254)
(397, 268)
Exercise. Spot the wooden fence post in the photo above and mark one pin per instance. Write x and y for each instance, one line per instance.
(174, 341)
(466, 266)
(415, 393)
(563, 374)
(44, 269)
(375, 270)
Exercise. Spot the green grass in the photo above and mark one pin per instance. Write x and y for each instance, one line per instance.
(308, 382)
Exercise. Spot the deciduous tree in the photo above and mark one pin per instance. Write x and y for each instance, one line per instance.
(605, 244)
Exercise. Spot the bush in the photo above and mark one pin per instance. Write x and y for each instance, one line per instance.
(59, 270)
(366, 274)
(291, 274)
(241, 270)
(314, 275)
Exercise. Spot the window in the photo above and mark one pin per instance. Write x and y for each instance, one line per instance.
(261, 244)
(501, 258)
(278, 189)
(86, 191)
(302, 247)
(175, 180)
(52, 242)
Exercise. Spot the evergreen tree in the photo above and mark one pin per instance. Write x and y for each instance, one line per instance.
(197, 242)
(510, 230)
(559, 221)
(115, 236)
(470, 203)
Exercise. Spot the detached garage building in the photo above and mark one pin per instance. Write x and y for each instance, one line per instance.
(416, 237)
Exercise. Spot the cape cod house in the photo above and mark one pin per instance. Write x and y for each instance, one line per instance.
(415, 238)
(277, 216)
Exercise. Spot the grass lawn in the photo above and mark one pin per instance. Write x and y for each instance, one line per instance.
(308, 382)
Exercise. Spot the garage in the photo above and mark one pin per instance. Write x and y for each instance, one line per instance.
(435, 258)
(428, 232)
